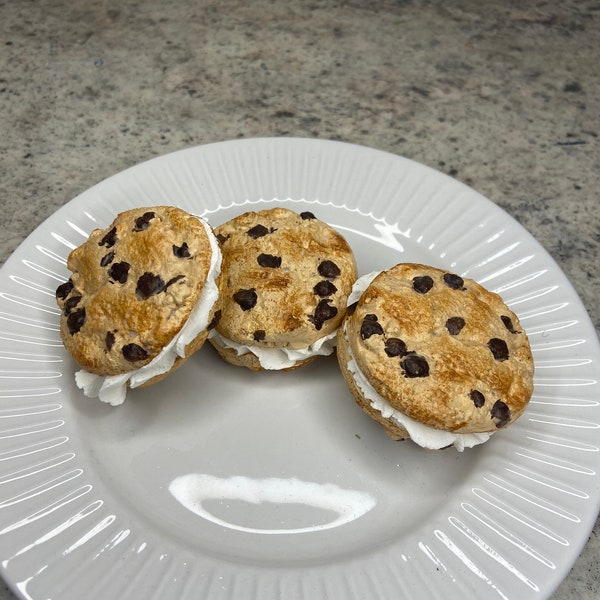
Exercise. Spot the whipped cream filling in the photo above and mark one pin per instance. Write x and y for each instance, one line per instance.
(423, 435)
(274, 359)
(113, 389)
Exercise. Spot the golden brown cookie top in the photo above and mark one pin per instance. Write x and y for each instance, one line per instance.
(442, 349)
(133, 287)
(286, 278)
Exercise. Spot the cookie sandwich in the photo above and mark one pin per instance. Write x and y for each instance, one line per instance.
(434, 357)
(286, 279)
(141, 299)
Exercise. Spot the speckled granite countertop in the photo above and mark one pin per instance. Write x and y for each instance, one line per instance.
(502, 95)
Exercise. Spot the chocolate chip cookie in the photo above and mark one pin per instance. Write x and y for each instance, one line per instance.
(135, 286)
(286, 277)
(437, 348)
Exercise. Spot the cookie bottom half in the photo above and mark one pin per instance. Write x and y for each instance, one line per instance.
(393, 430)
(190, 349)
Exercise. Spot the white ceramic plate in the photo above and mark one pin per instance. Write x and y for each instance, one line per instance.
(225, 484)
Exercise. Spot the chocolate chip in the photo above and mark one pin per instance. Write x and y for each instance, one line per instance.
(478, 398)
(70, 304)
(501, 412)
(499, 349)
(323, 313)
(395, 347)
(306, 215)
(143, 222)
(214, 321)
(149, 285)
(415, 366)
(257, 231)
(328, 269)
(174, 280)
(222, 238)
(508, 324)
(182, 251)
(454, 325)
(259, 335)
(119, 271)
(324, 288)
(109, 340)
(76, 320)
(350, 310)
(64, 289)
(268, 260)
(107, 259)
(422, 284)
(456, 282)
(110, 239)
(246, 298)
(370, 327)
(134, 352)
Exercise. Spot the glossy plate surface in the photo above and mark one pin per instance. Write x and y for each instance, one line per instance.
(221, 483)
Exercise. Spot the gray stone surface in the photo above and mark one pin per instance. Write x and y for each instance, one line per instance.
(503, 95)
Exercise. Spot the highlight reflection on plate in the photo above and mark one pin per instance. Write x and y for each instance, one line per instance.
(189, 489)
(196, 489)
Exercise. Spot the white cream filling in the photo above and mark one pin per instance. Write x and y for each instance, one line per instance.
(423, 435)
(113, 389)
(274, 359)
(360, 285)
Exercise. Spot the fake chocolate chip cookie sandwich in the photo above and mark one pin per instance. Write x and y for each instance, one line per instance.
(140, 300)
(434, 357)
(286, 278)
